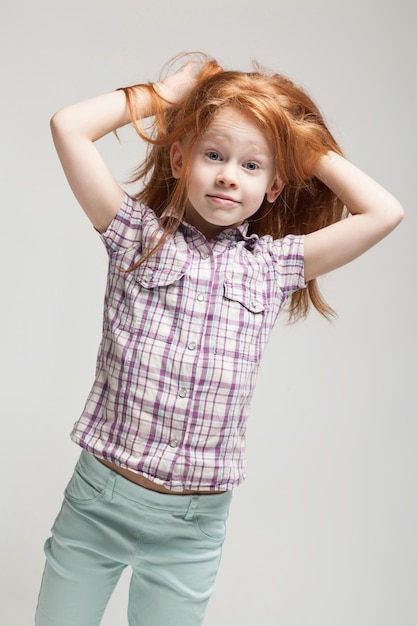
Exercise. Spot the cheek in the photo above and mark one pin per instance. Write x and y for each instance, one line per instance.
(257, 195)
(196, 179)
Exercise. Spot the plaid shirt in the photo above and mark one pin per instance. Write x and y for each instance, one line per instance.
(182, 339)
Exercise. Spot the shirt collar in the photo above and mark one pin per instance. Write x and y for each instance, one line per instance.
(234, 233)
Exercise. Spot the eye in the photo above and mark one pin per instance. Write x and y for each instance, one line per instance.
(213, 155)
(251, 165)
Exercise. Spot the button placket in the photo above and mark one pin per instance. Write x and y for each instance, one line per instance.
(197, 300)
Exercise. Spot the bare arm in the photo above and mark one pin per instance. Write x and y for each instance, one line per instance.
(76, 128)
(374, 214)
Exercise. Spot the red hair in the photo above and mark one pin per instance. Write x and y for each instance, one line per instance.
(296, 131)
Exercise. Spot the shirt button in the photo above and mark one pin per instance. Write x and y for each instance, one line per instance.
(183, 393)
(192, 345)
(255, 304)
(174, 443)
(200, 297)
(205, 255)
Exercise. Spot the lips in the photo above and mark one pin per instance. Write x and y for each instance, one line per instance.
(223, 199)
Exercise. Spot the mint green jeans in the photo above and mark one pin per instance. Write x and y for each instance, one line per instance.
(172, 543)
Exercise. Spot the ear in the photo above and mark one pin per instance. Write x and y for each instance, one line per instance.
(176, 157)
(274, 189)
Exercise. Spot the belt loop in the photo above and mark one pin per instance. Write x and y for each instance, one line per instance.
(192, 507)
(110, 485)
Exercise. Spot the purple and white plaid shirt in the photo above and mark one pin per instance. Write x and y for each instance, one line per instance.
(182, 339)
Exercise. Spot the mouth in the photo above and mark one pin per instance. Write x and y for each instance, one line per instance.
(223, 199)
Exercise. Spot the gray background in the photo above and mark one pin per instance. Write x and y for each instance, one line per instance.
(323, 531)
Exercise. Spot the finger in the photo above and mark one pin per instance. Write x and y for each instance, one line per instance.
(188, 67)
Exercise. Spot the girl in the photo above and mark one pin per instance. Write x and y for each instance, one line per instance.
(241, 208)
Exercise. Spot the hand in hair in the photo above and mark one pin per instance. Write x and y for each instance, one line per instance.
(175, 87)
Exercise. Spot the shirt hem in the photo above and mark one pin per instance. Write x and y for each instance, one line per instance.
(167, 484)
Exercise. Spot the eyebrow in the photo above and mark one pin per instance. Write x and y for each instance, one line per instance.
(254, 148)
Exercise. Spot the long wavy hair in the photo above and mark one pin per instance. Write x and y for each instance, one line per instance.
(295, 129)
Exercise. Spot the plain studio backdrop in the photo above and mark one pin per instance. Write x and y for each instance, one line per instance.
(323, 533)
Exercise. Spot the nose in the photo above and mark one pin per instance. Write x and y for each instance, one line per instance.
(227, 176)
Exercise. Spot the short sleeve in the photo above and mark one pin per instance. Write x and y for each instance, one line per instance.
(126, 228)
(288, 255)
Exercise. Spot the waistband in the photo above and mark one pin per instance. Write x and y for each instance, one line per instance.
(112, 481)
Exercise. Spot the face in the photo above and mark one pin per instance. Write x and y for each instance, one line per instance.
(231, 172)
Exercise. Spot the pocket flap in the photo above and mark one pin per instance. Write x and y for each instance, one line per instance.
(250, 294)
(158, 271)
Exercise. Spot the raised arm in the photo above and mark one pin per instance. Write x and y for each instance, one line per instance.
(77, 127)
(374, 214)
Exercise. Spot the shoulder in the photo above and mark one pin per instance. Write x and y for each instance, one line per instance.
(283, 259)
(132, 221)
(287, 249)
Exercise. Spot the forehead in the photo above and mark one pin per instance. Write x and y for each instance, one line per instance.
(234, 126)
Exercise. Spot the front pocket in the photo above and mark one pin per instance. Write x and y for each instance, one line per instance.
(81, 490)
(241, 320)
(210, 526)
(251, 295)
(149, 298)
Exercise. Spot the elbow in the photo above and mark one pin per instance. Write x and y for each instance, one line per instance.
(389, 215)
(55, 123)
(400, 213)
(396, 214)
(62, 122)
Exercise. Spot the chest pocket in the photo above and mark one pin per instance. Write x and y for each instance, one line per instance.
(240, 329)
(152, 296)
